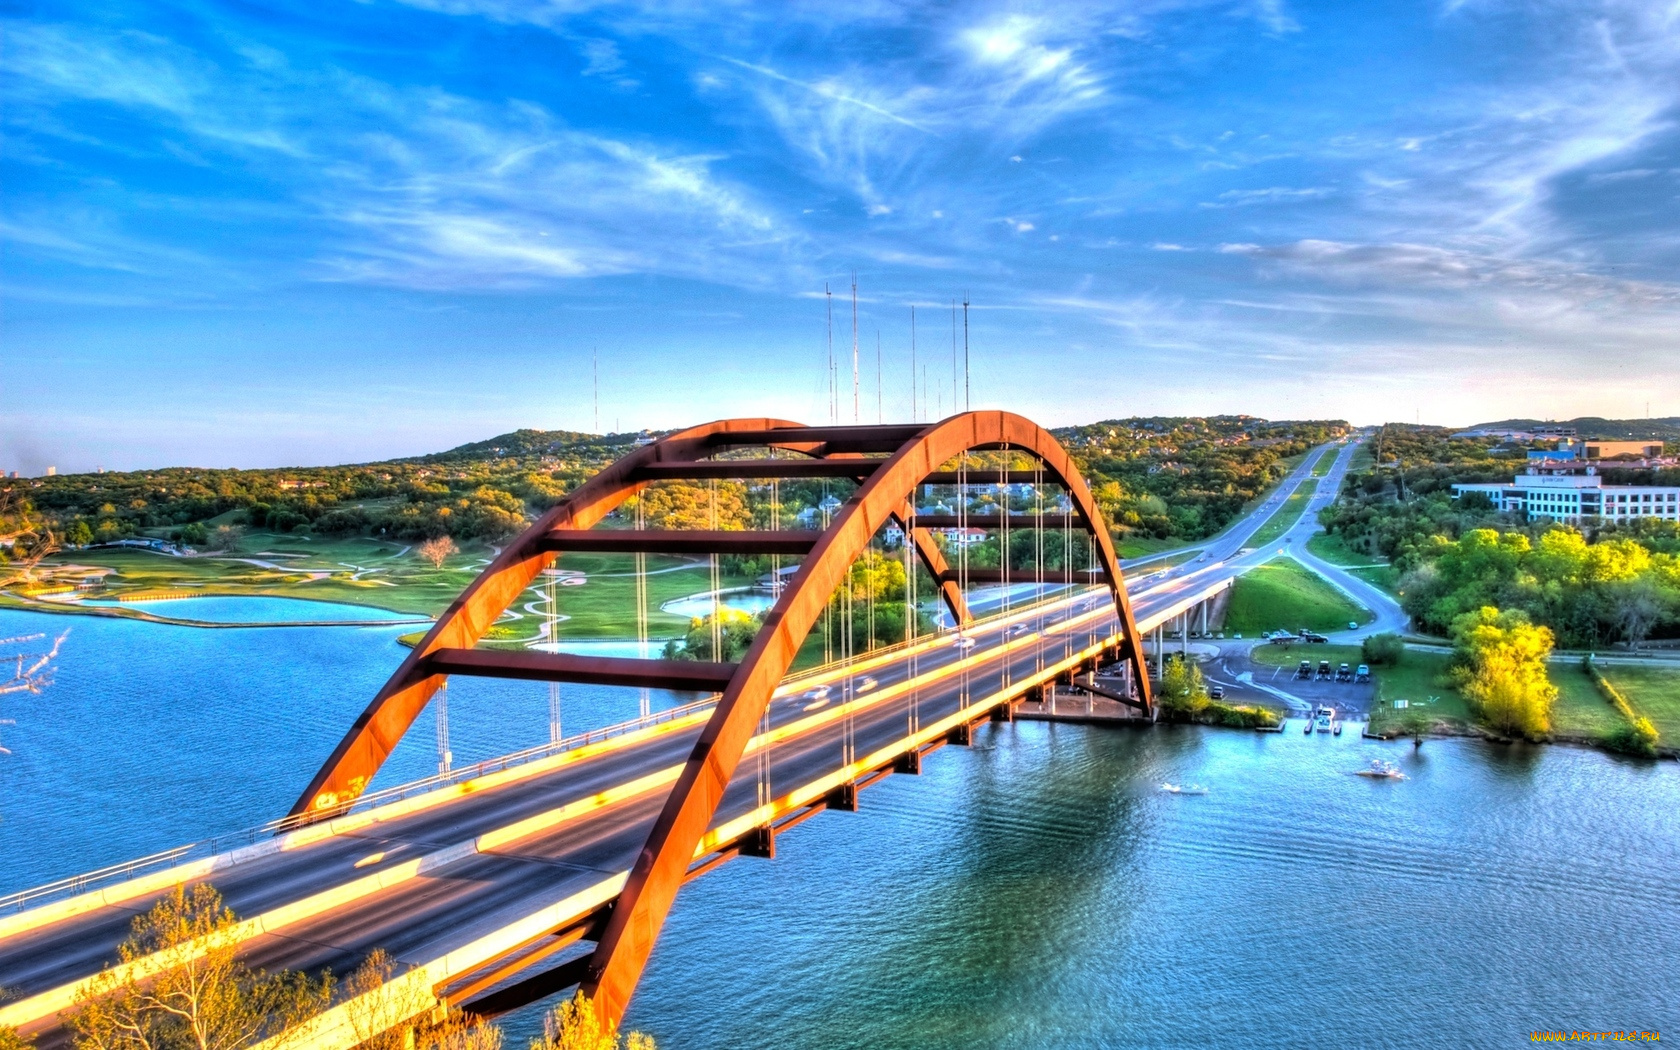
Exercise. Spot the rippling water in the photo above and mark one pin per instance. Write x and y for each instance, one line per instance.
(1039, 890)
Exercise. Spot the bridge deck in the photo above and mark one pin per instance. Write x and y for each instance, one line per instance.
(445, 888)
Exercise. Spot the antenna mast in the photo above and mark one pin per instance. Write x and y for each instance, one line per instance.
(856, 414)
(828, 369)
(967, 405)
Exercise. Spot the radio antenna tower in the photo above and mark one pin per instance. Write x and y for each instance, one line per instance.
(967, 404)
(857, 415)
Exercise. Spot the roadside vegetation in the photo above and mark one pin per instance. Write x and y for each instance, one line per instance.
(199, 995)
(1284, 595)
(1182, 696)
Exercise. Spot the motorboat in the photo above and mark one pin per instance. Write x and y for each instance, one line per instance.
(1184, 789)
(1381, 770)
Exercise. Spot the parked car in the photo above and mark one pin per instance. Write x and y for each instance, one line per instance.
(1304, 669)
(1216, 691)
(1324, 671)
(1344, 673)
(1363, 674)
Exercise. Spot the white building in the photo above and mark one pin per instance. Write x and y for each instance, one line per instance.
(1574, 497)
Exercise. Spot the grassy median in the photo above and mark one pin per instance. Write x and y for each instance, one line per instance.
(1282, 595)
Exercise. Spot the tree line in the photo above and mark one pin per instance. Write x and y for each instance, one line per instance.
(1159, 477)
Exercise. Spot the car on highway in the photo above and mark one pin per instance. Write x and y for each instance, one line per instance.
(1216, 691)
(963, 641)
(819, 693)
(866, 683)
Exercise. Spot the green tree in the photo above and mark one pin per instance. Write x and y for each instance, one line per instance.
(1182, 694)
(1500, 663)
(735, 630)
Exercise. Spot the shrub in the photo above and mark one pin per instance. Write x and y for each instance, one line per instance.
(1238, 716)
(1183, 693)
(1385, 649)
(1638, 737)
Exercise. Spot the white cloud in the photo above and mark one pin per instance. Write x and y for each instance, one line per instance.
(1271, 195)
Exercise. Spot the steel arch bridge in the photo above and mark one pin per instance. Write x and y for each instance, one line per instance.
(889, 463)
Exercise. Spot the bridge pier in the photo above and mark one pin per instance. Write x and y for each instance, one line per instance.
(759, 842)
(844, 797)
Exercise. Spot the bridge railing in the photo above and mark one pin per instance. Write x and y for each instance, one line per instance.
(210, 847)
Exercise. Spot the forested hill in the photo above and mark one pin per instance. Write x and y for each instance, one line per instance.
(1662, 429)
(527, 443)
(1155, 478)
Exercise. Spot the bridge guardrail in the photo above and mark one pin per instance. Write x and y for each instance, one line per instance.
(88, 880)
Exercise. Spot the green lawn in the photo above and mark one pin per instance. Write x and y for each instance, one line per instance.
(1331, 548)
(1654, 692)
(1138, 547)
(1420, 679)
(388, 575)
(1368, 568)
(1282, 595)
(1284, 516)
(1290, 655)
(1581, 710)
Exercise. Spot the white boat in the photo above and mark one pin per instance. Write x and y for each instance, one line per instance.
(1381, 770)
(1184, 789)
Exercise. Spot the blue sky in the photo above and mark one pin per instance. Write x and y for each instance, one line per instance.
(259, 234)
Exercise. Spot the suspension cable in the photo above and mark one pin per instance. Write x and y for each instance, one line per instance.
(554, 642)
(641, 610)
(717, 606)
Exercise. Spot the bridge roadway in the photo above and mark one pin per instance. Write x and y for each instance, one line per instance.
(451, 881)
(446, 886)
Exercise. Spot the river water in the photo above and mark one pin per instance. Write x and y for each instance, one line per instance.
(1038, 890)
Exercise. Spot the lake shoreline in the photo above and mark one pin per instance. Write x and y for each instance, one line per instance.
(8, 600)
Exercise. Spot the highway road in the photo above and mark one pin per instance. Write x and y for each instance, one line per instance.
(446, 883)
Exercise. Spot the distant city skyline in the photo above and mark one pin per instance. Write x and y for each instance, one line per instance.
(280, 234)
